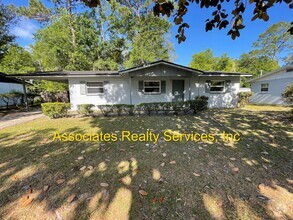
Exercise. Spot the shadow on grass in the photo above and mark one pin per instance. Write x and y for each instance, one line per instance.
(248, 179)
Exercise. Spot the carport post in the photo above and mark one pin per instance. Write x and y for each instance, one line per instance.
(25, 96)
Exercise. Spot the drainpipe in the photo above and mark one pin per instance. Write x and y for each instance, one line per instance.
(198, 85)
(25, 96)
(189, 89)
(130, 89)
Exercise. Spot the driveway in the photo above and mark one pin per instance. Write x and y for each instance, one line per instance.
(15, 118)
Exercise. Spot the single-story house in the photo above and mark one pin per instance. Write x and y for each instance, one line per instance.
(9, 84)
(268, 88)
(159, 81)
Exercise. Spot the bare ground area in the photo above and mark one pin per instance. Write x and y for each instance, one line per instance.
(249, 179)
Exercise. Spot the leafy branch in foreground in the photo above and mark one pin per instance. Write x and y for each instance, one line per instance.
(219, 20)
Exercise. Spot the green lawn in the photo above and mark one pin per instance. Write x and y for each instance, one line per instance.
(249, 179)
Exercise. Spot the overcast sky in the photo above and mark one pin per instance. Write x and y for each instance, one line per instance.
(197, 39)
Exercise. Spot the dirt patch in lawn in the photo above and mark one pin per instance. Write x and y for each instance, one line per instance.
(249, 179)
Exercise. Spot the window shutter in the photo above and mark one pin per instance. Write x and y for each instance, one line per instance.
(140, 86)
(163, 86)
(207, 86)
(228, 85)
(82, 85)
(105, 86)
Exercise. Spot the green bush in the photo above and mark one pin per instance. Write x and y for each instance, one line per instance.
(287, 95)
(118, 108)
(200, 103)
(145, 107)
(243, 98)
(166, 107)
(129, 109)
(106, 109)
(55, 109)
(177, 107)
(85, 109)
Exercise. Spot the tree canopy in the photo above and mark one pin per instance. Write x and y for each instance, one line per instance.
(17, 60)
(206, 61)
(274, 41)
(7, 17)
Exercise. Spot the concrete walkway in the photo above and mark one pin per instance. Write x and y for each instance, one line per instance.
(15, 118)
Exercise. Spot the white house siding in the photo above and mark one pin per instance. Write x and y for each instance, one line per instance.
(277, 84)
(159, 72)
(140, 97)
(9, 87)
(116, 91)
(217, 100)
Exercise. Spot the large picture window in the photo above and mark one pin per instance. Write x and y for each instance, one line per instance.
(217, 86)
(264, 87)
(95, 87)
(152, 87)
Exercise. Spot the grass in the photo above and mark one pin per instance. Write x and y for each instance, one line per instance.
(249, 179)
(265, 108)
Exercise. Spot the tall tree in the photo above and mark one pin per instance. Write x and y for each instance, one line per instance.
(225, 63)
(17, 60)
(255, 64)
(53, 48)
(149, 44)
(146, 34)
(274, 41)
(36, 10)
(206, 61)
(7, 17)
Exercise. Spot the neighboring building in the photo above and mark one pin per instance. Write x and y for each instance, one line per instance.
(159, 81)
(268, 88)
(9, 84)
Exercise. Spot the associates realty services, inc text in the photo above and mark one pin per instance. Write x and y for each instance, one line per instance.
(147, 136)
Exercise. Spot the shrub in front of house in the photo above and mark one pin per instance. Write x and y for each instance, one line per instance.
(243, 98)
(55, 109)
(287, 94)
(85, 109)
(129, 109)
(146, 107)
(123, 108)
(105, 109)
(118, 108)
(166, 107)
(200, 103)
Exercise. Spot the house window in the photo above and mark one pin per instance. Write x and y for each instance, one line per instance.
(152, 87)
(217, 86)
(95, 87)
(264, 87)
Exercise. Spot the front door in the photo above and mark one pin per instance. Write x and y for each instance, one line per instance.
(178, 90)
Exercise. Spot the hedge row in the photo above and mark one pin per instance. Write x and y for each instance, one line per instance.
(200, 103)
(59, 109)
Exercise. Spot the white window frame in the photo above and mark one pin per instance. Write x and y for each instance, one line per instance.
(152, 93)
(263, 87)
(95, 87)
(224, 87)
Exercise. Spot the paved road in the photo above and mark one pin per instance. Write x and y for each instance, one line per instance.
(15, 118)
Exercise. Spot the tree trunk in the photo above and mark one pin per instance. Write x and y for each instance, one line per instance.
(71, 27)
